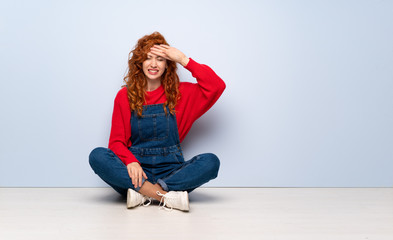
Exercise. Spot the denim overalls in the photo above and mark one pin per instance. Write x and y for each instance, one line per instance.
(155, 143)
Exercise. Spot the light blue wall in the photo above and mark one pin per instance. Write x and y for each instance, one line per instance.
(308, 102)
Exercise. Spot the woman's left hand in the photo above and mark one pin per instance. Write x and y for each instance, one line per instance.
(170, 53)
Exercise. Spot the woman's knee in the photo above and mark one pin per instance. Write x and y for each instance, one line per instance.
(96, 157)
(213, 163)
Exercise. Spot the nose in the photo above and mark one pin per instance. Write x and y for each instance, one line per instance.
(153, 62)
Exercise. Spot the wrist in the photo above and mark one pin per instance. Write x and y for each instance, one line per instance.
(184, 61)
(133, 163)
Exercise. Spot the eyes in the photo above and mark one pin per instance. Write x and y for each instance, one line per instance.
(159, 58)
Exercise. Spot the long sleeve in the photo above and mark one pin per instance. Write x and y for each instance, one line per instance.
(197, 98)
(119, 140)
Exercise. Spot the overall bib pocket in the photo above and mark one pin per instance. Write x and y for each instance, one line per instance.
(153, 127)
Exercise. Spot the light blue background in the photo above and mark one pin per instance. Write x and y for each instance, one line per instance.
(308, 102)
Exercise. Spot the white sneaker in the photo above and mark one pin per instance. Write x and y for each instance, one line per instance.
(174, 199)
(134, 199)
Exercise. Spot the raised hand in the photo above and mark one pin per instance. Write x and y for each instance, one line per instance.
(170, 53)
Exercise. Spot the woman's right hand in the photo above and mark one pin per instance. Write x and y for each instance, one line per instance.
(136, 172)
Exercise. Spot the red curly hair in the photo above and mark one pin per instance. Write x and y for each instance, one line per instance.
(136, 81)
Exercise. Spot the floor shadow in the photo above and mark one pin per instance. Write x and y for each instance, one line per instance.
(110, 197)
(196, 196)
(114, 197)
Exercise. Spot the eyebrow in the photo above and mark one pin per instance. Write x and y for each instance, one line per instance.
(151, 55)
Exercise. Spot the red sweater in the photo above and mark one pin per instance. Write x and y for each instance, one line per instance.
(196, 99)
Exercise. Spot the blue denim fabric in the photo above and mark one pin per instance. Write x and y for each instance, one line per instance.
(156, 145)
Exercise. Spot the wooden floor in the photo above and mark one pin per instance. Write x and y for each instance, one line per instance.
(215, 213)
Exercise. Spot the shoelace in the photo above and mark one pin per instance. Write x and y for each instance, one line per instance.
(145, 198)
(166, 199)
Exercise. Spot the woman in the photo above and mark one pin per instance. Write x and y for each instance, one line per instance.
(152, 114)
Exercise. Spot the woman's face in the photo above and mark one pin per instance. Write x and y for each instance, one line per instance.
(154, 66)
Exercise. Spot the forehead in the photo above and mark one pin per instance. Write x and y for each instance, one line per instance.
(150, 54)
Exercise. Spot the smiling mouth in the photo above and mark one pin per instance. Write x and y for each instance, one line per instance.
(153, 71)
